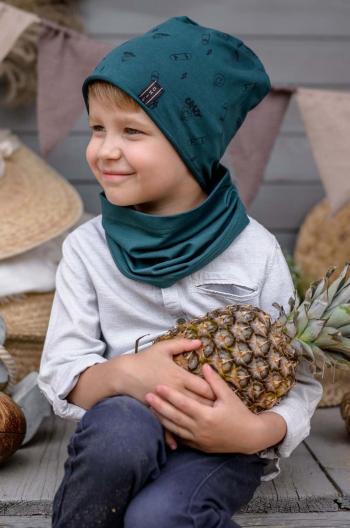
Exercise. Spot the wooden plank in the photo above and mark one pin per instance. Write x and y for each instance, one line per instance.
(23, 119)
(277, 206)
(31, 476)
(247, 520)
(33, 521)
(295, 520)
(300, 63)
(284, 206)
(290, 17)
(297, 62)
(286, 239)
(291, 158)
(300, 487)
(330, 444)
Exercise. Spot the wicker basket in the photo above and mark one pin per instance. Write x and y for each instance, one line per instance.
(26, 320)
(323, 241)
(333, 389)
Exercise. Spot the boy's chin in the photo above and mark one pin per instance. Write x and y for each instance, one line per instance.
(117, 200)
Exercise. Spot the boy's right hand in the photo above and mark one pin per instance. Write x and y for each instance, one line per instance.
(140, 373)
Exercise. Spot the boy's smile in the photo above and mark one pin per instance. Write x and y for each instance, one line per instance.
(135, 163)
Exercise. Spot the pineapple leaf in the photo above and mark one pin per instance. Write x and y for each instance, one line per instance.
(342, 297)
(291, 302)
(308, 350)
(301, 319)
(290, 329)
(137, 342)
(339, 316)
(328, 337)
(345, 330)
(322, 355)
(318, 306)
(343, 345)
(334, 359)
(337, 285)
(313, 330)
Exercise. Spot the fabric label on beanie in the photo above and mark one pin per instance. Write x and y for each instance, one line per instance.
(151, 93)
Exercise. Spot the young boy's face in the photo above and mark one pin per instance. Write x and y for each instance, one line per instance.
(154, 178)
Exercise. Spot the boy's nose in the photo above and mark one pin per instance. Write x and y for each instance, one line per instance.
(110, 149)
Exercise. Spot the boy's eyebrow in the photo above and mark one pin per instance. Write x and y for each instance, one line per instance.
(126, 119)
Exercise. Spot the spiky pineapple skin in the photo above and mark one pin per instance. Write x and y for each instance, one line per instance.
(250, 352)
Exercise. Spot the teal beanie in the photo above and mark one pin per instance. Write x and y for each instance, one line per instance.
(196, 83)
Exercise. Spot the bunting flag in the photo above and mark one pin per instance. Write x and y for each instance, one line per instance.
(326, 116)
(13, 23)
(250, 149)
(65, 58)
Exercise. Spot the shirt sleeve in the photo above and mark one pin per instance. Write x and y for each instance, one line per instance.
(73, 340)
(298, 406)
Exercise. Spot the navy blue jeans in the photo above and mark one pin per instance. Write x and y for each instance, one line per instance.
(120, 473)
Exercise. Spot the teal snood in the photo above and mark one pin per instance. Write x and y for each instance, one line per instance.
(197, 84)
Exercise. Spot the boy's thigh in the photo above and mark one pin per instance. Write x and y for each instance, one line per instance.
(118, 427)
(193, 488)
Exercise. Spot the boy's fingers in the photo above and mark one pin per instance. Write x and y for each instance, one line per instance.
(170, 439)
(181, 409)
(200, 399)
(180, 345)
(198, 385)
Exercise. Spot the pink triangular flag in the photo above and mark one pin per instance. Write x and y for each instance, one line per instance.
(65, 59)
(326, 116)
(13, 22)
(249, 150)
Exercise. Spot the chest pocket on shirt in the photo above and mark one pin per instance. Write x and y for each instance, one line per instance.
(218, 291)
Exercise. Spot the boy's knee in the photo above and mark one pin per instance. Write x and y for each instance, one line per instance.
(123, 417)
(150, 512)
(119, 431)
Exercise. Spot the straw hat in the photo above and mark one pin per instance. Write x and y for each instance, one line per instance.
(26, 319)
(36, 203)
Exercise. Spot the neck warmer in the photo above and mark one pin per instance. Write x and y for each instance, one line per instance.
(197, 84)
(161, 253)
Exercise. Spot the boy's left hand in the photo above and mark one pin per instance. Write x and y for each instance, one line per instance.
(226, 427)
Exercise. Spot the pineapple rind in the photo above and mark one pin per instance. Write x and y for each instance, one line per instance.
(257, 357)
(252, 372)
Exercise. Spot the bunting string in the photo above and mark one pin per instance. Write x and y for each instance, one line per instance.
(66, 57)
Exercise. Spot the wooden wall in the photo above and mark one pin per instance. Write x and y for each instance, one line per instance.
(300, 42)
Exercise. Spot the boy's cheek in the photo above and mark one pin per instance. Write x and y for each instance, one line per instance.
(91, 157)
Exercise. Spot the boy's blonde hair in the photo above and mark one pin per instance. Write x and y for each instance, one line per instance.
(110, 95)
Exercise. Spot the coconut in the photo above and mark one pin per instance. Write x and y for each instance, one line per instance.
(12, 427)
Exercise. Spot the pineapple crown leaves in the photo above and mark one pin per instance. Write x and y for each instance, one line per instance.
(320, 326)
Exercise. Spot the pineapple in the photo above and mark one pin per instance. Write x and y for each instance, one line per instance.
(345, 410)
(258, 357)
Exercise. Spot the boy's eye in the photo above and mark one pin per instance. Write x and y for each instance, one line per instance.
(96, 128)
(133, 130)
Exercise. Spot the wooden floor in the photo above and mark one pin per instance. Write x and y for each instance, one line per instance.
(313, 489)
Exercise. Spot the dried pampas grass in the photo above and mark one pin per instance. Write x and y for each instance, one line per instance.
(18, 71)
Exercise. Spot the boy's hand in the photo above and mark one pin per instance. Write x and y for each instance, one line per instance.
(142, 372)
(228, 426)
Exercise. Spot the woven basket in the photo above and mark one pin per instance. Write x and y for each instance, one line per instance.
(26, 322)
(323, 241)
(333, 392)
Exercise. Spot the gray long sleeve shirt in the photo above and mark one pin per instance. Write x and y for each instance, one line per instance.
(98, 313)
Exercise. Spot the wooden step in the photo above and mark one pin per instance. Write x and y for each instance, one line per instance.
(316, 478)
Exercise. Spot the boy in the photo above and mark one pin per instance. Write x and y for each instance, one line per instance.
(157, 446)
